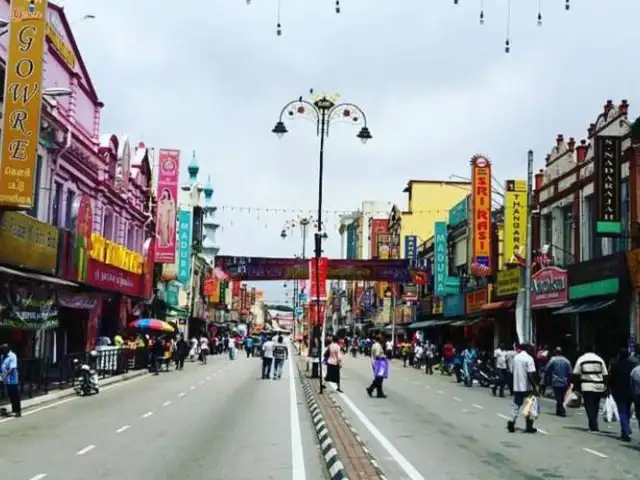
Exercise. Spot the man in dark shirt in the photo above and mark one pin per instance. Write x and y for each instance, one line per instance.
(280, 354)
(620, 387)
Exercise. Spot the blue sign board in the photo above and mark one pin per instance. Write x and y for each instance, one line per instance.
(184, 246)
(440, 266)
(351, 241)
(453, 305)
(458, 214)
(172, 289)
(367, 299)
(411, 248)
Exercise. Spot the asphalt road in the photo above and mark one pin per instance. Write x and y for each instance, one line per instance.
(218, 421)
(431, 427)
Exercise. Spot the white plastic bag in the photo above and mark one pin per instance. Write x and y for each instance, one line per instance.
(610, 410)
(572, 399)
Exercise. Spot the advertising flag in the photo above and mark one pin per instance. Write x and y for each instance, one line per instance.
(167, 195)
(318, 289)
(481, 223)
(608, 176)
(515, 220)
(184, 246)
(22, 103)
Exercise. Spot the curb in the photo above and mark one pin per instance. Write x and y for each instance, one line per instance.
(329, 452)
(354, 432)
(30, 403)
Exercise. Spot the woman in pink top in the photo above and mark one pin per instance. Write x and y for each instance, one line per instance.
(333, 357)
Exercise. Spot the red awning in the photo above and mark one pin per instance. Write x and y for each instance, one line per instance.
(498, 305)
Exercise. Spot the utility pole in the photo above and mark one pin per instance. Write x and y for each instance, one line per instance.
(528, 323)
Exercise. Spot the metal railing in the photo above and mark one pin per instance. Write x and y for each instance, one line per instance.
(39, 376)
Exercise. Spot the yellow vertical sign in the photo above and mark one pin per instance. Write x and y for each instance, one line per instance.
(515, 220)
(22, 102)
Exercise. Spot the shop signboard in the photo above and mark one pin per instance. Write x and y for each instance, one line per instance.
(437, 304)
(454, 305)
(508, 282)
(24, 306)
(440, 258)
(475, 300)
(549, 288)
(148, 269)
(607, 167)
(173, 289)
(26, 242)
(378, 234)
(318, 277)
(184, 246)
(458, 214)
(515, 220)
(22, 103)
(168, 172)
(600, 276)
(481, 199)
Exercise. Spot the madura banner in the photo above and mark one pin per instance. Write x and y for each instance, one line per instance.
(266, 268)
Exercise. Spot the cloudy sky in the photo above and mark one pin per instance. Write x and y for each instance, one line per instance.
(212, 76)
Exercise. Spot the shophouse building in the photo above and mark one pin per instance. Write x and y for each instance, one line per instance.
(77, 265)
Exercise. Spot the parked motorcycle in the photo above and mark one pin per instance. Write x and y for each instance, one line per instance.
(86, 377)
(484, 374)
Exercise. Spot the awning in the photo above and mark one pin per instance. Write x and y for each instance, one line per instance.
(583, 307)
(466, 322)
(37, 277)
(498, 305)
(177, 312)
(428, 324)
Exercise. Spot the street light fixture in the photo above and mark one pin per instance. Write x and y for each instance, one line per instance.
(57, 92)
(323, 110)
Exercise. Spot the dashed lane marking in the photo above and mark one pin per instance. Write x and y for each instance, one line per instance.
(479, 407)
(440, 392)
(147, 415)
(181, 394)
(504, 417)
(595, 452)
(201, 382)
(192, 387)
(457, 399)
(544, 432)
(40, 476)
(167, 403)
(123, 428)
(427, 387)
(85, 450)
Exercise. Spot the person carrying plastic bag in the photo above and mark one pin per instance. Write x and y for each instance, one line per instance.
(617, 406)
(525, 390)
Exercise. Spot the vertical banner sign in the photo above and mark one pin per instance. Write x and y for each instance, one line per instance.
(481, 186)
(167, 194)
(252, 296)
(515, 220)
(607, 170)
(379, 230)
(411, 248)
(184, 246)
(440, 258)
(22, 103)
(321, 289)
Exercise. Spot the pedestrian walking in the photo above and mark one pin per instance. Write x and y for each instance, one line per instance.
(232, 349)
(204, 349)
(620, 386)
(590, 377)
(378, 359)
(524, 387)
(9, 376)
(280, 354)
(635, 389)
(469, 357)
(267, 358)
(248, 345)
(333, 356)
(182, 351)
(558, 375)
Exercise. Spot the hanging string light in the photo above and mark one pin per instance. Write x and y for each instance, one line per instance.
(539, 13)
(279, 25)
(337, 6)
(507, 42)
(567, 5)
(481, 12)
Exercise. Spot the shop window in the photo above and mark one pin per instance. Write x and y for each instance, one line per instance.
(68, 207)
(547, 221)
(567, 235)
(33, 211)
(107, 224)
(55, 207)
(131, 237)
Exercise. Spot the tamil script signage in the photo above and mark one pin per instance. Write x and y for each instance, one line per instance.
(549, 288)
(481, 224)
(28, 243)
(475, 300)
(507, 282)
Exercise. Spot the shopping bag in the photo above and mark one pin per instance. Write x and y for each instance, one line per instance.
(572, 399)
(531, 407)
(610, 410)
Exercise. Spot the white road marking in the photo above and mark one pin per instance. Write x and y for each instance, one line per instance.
(465, 410)
(201, 382)
(504, 417)
(167, 403)
(297, 455)
(415, 382)
(544, 432)
(479, 407)
(427, 387)
(208, 378)
(181, 394)
(595, 452)
(192, 387)
(147, 415)
(411, 471)
(40, 476)
(457, 399)
(86, 449)
(123, 428)
(440, 392)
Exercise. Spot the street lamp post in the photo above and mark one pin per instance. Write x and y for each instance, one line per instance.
(324, 111)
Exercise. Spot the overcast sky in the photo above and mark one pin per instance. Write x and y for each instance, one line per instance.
(212, 76)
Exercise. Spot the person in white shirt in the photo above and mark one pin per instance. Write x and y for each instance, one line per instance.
(590, 377)
(204, 349)
(524, 386)
(267, 358)
(500, 360)
(232, 349)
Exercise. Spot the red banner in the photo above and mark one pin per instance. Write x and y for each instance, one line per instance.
(379, 235)
(149, 267)
(313, 317)
(235, 290)
(166, 210)
(318, 290)
(209, 287)
(108, 277)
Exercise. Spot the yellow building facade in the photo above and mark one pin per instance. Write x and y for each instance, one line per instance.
(429, 201)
